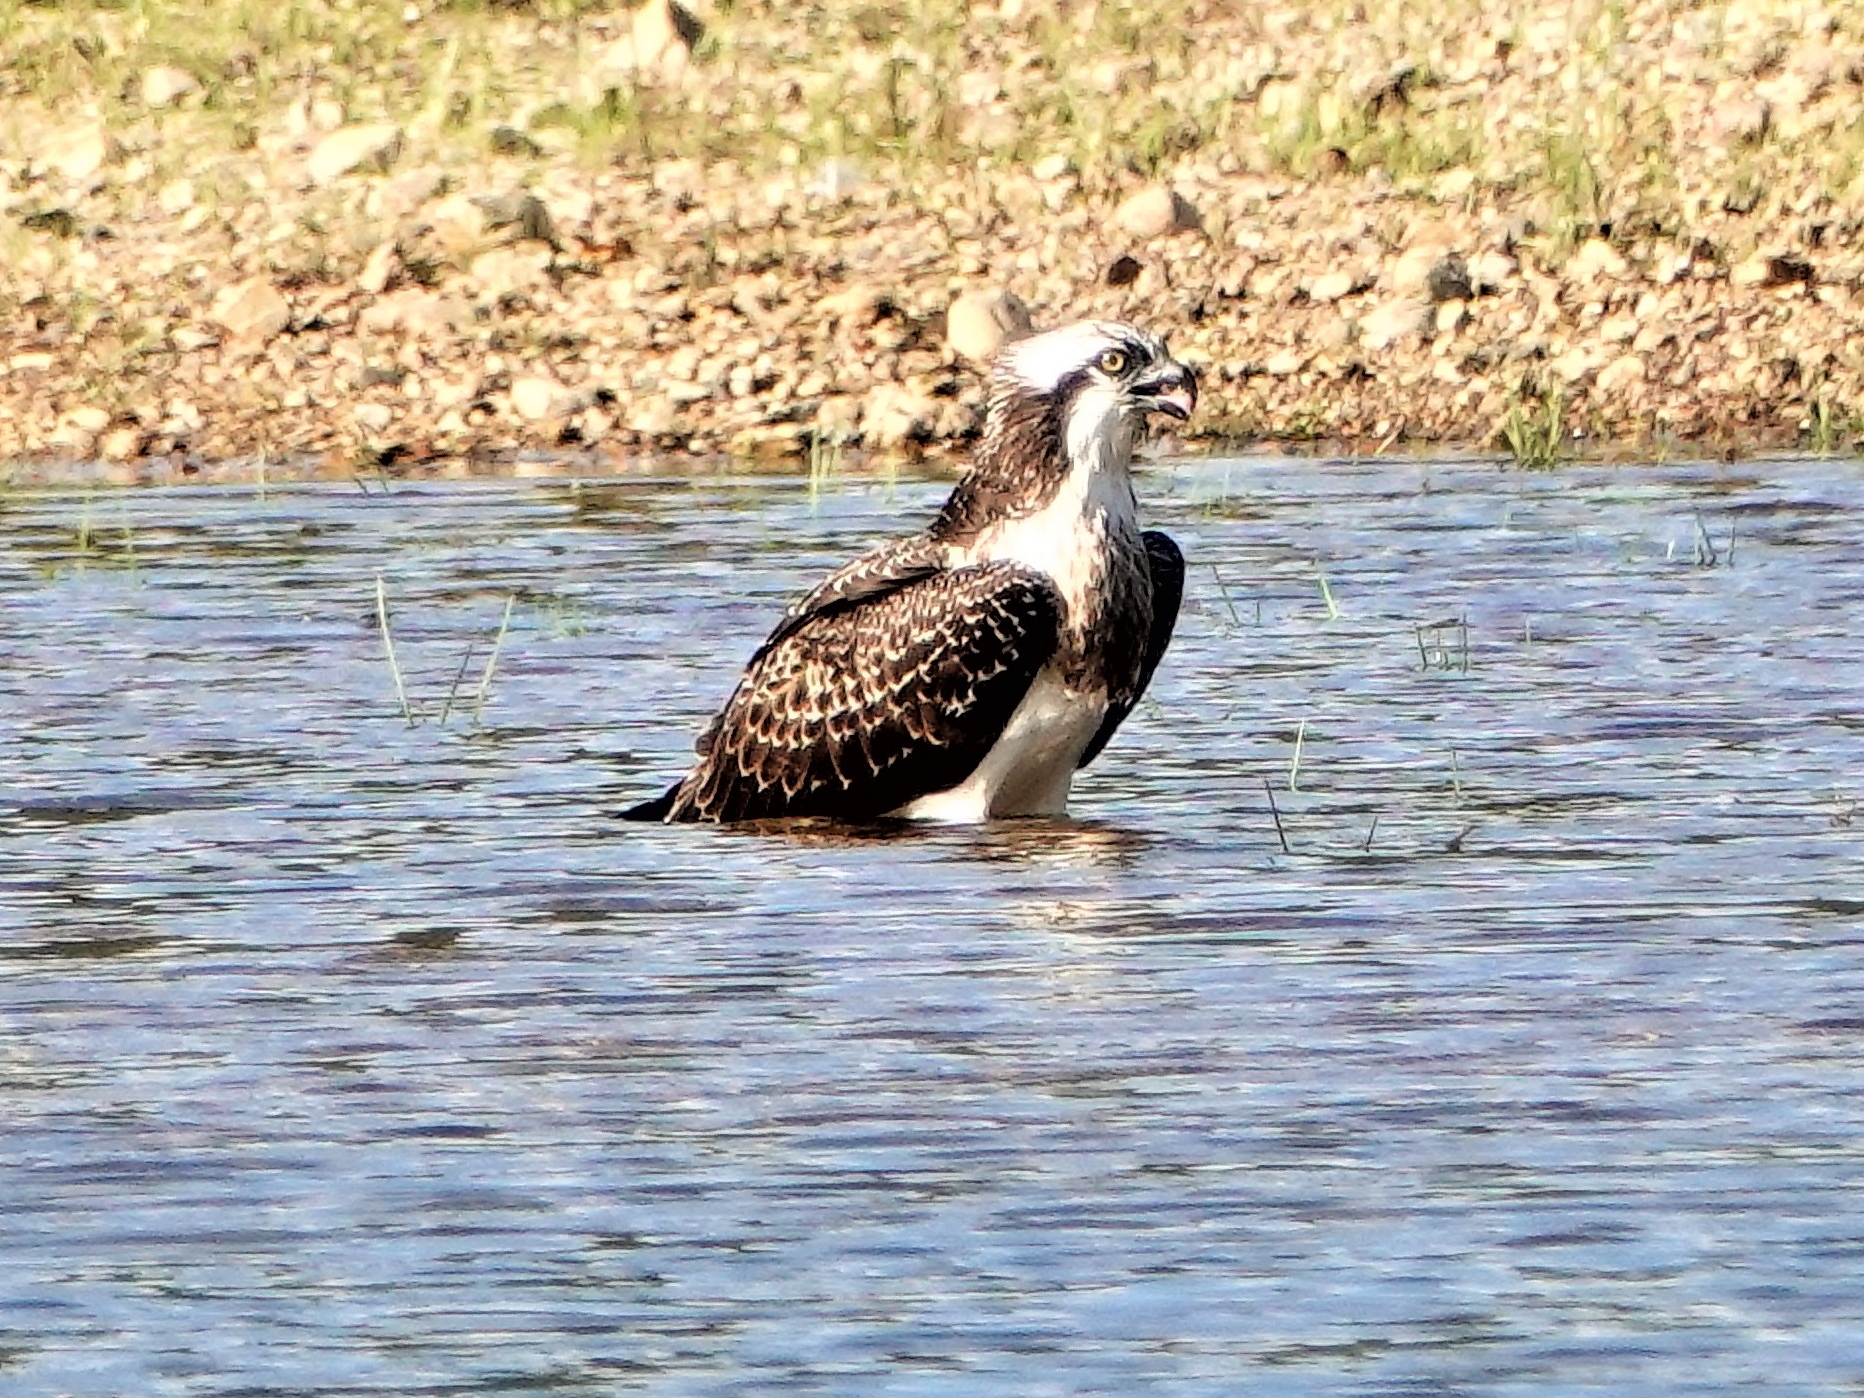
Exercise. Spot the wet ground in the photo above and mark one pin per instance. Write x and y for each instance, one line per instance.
(1516, 1050)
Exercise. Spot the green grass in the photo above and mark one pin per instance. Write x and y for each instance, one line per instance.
(1124, 86)
(1534, 430)
(1833, 430)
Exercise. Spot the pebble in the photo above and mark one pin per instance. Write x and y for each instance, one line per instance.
(251, 310)
(175, 197)
(1620, 374)
(536, 398)
(165, 85)
(895, 414)
(1394, 321)
(354, 148)
(1155, 212)
(978, 323)
(1596, 259)
(1448, 280)
(1331, 286)
(1490, 272)
(78, 154)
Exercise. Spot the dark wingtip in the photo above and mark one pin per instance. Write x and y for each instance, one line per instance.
(657, 809)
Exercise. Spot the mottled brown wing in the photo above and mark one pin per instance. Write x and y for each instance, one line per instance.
(893, 565)
(860, 709)
(1167, 567)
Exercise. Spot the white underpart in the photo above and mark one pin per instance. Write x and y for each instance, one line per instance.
(1029, 768)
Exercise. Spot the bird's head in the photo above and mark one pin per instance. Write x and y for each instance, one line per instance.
(1068, 404)
(1097, 382)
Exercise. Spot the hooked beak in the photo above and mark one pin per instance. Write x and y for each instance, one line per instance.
(1172, 392)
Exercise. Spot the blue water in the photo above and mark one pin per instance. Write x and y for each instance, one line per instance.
(340, 1055)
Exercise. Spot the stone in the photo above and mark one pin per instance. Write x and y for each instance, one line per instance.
(1395, 320)
(662, 36)
(121, 444)
(836, 179)
(681, 179)
(1621, 374)
(1331, 286)
(978, 89)
(251, 310)
(1595, 259)
(979, 323)
(857, 307)
(1453, 186)
(1284, 363)
(1412, 270)
(456, 393)
(1572, 366)
(401, 194)
(176, 197)
(60, 223)
(1741, 119)
(657, 48)
(837, 418)
(895, 414)
(536, 398)
(1433, 273)
(460, 227)
(508, 140)
(73, 440)
(524, 213)
(1764, 270)
(956, 420)
(1489, 272)
(1448, 280)
(1451, 314)
(504, 272)
(653, 416)
(352, 148)
(78, 154)
(372, 419)
(379, 270)
(166, 85)
(1155, 212)
(1617, 329)
(416, 312)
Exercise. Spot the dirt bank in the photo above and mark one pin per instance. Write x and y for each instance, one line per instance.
(368, 235)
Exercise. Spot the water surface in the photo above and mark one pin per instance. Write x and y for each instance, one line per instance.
(343, 1055)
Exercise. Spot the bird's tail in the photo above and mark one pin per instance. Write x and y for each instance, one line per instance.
(657, 809)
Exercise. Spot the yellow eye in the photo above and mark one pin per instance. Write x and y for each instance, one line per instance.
(1113, 361)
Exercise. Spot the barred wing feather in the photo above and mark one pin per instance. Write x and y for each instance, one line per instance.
(871, 701)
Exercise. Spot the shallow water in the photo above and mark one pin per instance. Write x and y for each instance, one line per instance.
(347, 1056)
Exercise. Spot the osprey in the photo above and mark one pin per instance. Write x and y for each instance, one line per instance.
(966, 672)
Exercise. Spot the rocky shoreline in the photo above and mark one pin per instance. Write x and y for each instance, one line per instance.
(1363, 260)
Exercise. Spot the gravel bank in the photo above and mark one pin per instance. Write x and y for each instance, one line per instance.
(367, 237)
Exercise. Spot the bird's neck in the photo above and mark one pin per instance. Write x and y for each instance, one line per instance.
(1080, 530)
(1033, 460)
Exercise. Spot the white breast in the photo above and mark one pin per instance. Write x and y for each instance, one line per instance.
(1028, 771)
(1071, 539)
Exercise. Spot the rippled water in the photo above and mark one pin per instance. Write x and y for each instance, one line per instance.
(347, 1056)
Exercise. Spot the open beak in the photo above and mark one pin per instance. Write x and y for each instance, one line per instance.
(1173, 392)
